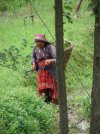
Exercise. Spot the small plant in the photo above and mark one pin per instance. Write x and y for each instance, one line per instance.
(86, 106)
(12, 56)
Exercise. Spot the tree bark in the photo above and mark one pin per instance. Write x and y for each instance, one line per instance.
(79, 2)
(60, 68)
(95, 106)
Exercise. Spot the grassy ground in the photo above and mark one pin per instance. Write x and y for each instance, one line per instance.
(80, 33)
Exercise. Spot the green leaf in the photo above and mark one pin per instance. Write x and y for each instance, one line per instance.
(68, 7)
(92, 5)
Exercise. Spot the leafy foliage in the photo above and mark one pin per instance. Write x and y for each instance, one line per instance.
(68, 11)
(25, 112)
(92, 5)
(12, 56)
(3, 6)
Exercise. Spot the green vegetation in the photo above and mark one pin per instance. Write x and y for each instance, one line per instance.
(24, 112)
(21, 109)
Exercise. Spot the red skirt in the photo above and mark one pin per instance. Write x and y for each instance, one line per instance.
(46, 81)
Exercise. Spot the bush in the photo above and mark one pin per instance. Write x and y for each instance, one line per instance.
(3, 6)
(22, 112)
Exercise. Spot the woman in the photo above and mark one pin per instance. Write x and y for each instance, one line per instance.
(44, 61)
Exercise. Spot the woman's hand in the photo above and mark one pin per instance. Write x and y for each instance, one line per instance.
(49, 61)
(33, 67)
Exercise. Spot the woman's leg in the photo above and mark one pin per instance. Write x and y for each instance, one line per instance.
(48, 95)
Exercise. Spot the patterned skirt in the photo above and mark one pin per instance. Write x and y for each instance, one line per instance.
(47, 82)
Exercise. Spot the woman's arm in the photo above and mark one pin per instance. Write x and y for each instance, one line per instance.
(34, 59)
(52, 52)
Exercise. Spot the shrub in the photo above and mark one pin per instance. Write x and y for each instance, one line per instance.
(25, 113)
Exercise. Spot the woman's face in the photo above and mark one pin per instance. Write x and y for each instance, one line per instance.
(40, 44)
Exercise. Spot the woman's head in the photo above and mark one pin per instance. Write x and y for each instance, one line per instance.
(40, 40)
(40, 44)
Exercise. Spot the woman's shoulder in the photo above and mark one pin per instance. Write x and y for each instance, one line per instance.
(50, 46)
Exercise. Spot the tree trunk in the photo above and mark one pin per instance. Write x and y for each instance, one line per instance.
(95, 107)
(60, 68)
(31, 11)
(79, 2)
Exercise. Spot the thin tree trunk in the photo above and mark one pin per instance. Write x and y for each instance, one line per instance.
(60, 68)
(95, 107)
(31, 11)
(79, 2)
